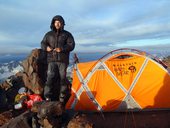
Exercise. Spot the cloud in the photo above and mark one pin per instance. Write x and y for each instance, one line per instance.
(13, 48)
(97, 25)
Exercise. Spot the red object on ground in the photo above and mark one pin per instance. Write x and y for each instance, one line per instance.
(31, 99)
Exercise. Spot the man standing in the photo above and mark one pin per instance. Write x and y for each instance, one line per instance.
(57, 43)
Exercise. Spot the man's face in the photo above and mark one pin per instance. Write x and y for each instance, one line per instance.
(57, 24)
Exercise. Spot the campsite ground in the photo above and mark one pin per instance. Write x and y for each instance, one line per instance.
(146, 119)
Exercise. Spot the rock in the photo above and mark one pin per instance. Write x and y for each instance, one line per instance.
(33, 77)
(47, 109)
(5, 117)
(49, 113)
(80, 121)
(3, 99)
(35, 68)
(9, 90)
(21, 121)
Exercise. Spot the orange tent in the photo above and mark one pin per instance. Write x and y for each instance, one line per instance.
(122, 79)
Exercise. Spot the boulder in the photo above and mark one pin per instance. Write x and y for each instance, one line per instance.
(49, 114)
(34, 74)
(5, 117)
(80, 121)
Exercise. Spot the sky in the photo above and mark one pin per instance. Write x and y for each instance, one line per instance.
(97, 25)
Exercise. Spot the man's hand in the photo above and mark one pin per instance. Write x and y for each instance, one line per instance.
(49, 49)
(57, 49)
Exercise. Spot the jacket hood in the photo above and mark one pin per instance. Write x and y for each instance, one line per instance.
(58, 18)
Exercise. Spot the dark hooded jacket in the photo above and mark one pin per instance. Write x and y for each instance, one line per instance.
(58, 39)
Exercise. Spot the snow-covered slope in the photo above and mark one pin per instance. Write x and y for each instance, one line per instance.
(9, 69)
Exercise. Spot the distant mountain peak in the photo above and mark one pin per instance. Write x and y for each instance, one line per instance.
(9, 69)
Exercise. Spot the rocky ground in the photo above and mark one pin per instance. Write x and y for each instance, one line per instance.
(140, 119)
(167, 61)
(32, 77)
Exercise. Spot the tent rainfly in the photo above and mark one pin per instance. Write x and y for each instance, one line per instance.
(123, 79)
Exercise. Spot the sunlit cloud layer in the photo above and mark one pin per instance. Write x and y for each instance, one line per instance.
(97, 26)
